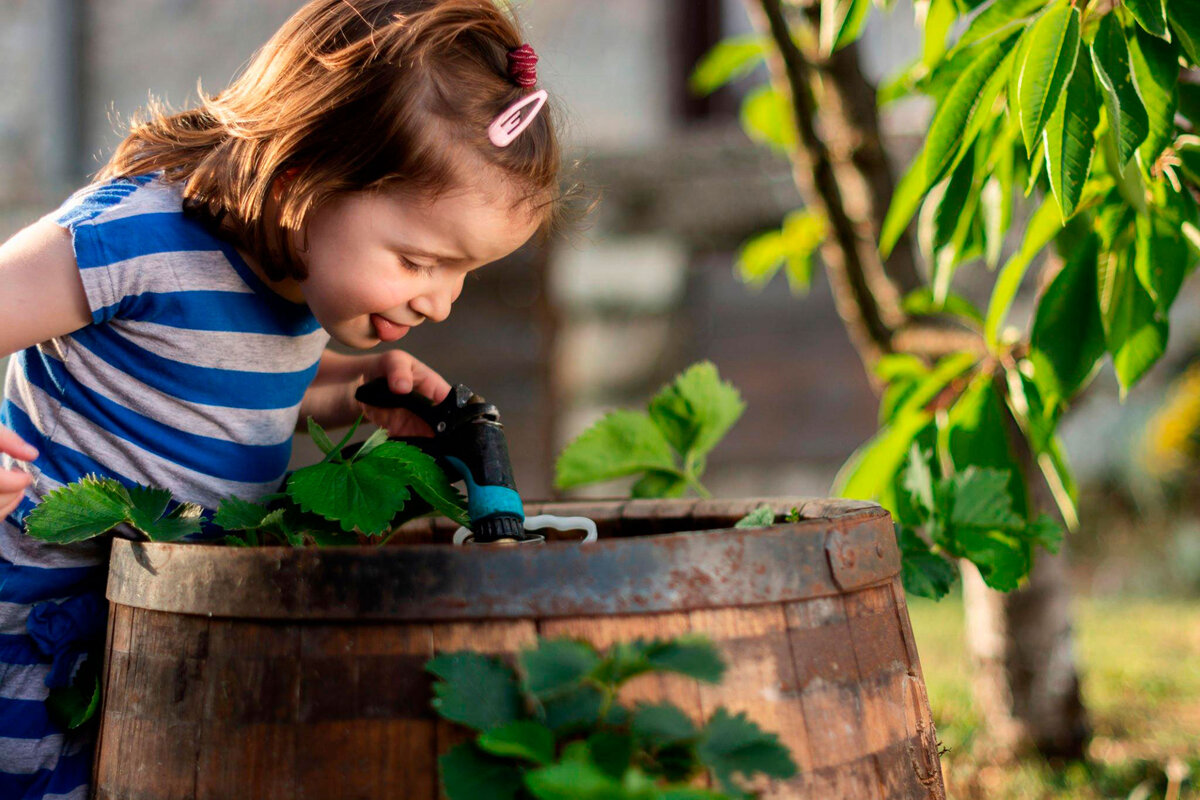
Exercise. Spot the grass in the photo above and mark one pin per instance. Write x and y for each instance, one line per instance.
(1140, 670)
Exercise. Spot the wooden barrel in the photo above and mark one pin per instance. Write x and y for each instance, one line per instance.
(277, 672)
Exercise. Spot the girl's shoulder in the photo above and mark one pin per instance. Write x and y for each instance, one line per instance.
(119, 198)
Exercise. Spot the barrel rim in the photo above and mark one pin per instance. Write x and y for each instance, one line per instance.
(652, 573)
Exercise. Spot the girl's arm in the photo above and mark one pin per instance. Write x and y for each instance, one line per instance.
(41, 293)
(330, 399)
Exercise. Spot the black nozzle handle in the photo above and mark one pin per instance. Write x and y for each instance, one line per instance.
(377, 393)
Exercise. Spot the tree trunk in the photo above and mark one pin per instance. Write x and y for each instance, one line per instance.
(1026, 683)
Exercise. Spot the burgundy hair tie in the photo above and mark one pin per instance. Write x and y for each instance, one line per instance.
(522, 66)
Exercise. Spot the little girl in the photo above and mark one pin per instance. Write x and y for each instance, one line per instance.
(170, 321)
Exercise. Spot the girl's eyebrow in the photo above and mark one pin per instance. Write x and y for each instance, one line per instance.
(416, 251)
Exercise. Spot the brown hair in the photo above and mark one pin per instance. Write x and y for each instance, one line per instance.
(349, 95)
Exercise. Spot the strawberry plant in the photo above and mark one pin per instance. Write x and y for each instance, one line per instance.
(554, 728)
(328, 503)
(667, 445)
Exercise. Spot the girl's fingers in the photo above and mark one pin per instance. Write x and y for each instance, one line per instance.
(13, 480)
(15, 446)
(429, 383)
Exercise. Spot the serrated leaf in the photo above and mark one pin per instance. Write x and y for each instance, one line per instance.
(556, 665)
(360, 495)
(960, 115)
(662, 724)
(81, 510)
(573, 710)
(524, 739)
(761, 517)
(575, 780)
(1136, 337)
(612, 752)
(374, 440)
(474, 690)
(468, 774)
(424, 477)
(1045, 532)
(621, 443)
(1156, 76)
(1003, 559)
(923, 572)
(1049, 59)
(319, 437)
(659, 485)
(1043, 226)
(1069, 138)
(1184, 16)
(183, 520)
(732, 745)
(696, 410)
(236, 514)
(1068, 336)
(1126, 114)
(982, 500)
(692, 655)
(1151, 15)
(727, 61)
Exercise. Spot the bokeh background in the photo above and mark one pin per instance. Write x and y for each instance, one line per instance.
(604, 314)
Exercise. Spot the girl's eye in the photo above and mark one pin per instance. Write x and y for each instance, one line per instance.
(420, 269)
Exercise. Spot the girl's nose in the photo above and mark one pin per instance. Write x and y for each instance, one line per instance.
(435, 304)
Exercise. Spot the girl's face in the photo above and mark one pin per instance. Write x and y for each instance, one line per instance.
(381, 262)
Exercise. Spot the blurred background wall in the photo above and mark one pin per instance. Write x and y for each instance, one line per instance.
(601, 316)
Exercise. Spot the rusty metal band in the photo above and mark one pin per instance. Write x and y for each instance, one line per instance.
(627, 575)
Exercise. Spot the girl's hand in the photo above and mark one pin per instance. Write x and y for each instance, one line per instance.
(404, 374)
(13, 482)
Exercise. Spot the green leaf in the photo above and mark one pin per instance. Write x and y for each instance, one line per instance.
(659, 485)
(1151, 15)
(1126, 114)
(468, 774)
(692, 655)
(524, 739)
(1070, 140)
(982, 499)
(1003, 559)
(1136, 338)
(1045, 532)
(727, 61)
(977, 435)
(923, 572)
(93, 506)
(1049, 60)
(767, 118)
(621, 443)
(732, 744)
(918, 480)
(841, 23)
(422, 474)
(73, 705)
(905, 201)
(360, 495)
(573, 780)
(374, 440)
(1043, 226)
(1156, 76)
(761, 517)
(960, 115)
(474, 690)
(573, 710)
(1161, 256)
(236, 514)
(661, 725)
(319, 437)
(920, 303)
(1185, 22)
(1068, 335)
(935, 23)
(612, 752)
(556, 665)
(696, 410)
(998, 18)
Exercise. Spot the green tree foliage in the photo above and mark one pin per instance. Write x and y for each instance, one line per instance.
(1078, 116)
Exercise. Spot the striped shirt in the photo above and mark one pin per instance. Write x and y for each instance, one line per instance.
(190, 378)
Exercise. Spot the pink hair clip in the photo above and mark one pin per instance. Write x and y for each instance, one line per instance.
(508, 125)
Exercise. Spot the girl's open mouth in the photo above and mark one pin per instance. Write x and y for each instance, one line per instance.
(386, 330)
